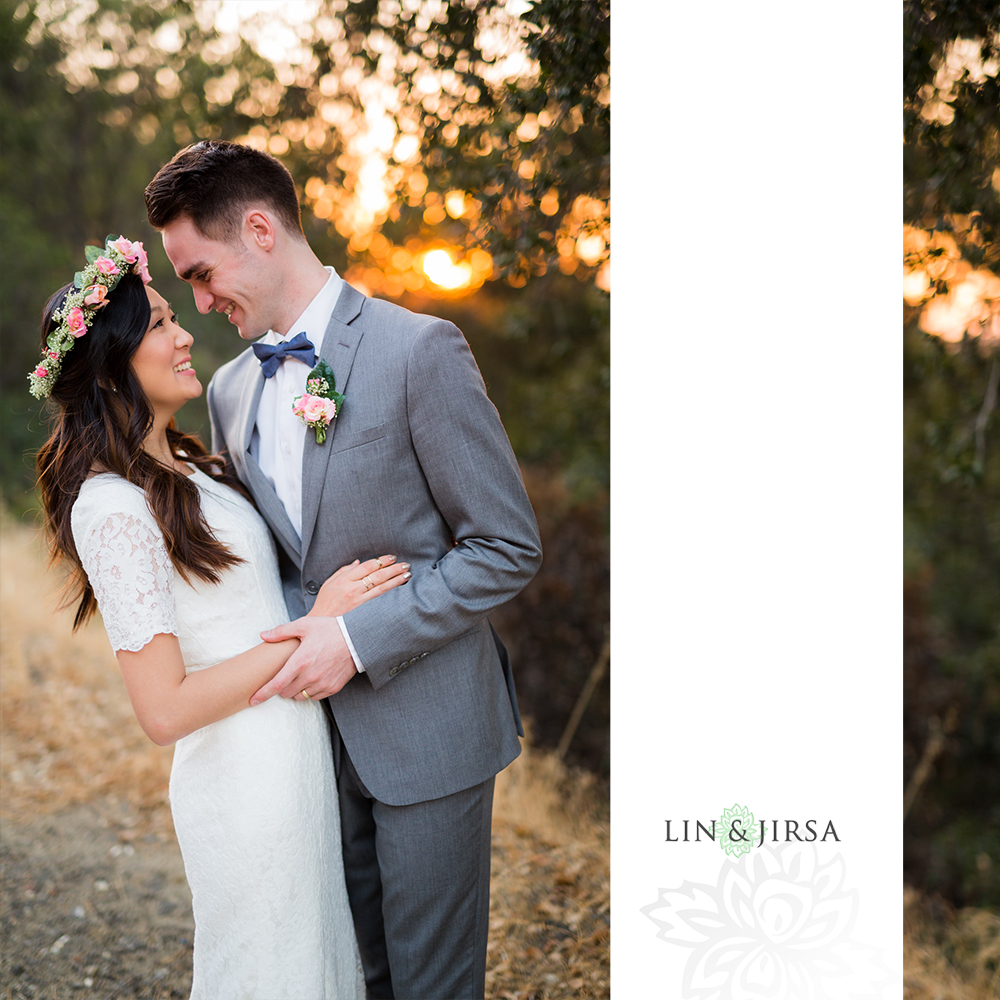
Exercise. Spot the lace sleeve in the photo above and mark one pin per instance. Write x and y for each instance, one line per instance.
(133, 579)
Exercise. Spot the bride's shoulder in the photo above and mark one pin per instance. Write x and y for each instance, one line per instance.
(105, 496)
(107, 484)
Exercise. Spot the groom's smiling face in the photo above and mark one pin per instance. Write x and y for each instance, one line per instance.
(225, 277)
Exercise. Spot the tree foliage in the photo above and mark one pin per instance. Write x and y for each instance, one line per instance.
(529, 147)
(463, 97)
(951, 127)
(450, 99)
(952, 458)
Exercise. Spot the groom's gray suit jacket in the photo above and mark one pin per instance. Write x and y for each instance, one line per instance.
(418, 464)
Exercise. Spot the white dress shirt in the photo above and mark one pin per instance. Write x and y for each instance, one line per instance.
(279, 436)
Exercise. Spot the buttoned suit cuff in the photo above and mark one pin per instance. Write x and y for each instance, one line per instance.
(350, 645)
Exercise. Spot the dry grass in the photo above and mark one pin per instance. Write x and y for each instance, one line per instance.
(550, 905)
(68, 732)
(69, 737)
(949, 954)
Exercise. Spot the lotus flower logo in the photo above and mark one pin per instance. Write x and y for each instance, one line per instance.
(737, 831)
(774, 928)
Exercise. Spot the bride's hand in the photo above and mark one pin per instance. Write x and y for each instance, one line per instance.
(361, 581)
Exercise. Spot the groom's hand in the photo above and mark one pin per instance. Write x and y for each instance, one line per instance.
(321, 665)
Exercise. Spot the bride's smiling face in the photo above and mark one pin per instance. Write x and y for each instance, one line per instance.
(162, 362)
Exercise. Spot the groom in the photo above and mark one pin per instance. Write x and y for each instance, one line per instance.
(416, 463)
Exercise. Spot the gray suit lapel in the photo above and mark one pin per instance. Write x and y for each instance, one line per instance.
(340, 344)
(270, 506)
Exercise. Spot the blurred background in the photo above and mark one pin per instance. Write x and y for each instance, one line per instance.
(951, 339)
(451, 157)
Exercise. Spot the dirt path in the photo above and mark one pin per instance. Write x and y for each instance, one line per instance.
(84, 915)
(92, 908)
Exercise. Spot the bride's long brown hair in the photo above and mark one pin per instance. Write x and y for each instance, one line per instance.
(99, 418)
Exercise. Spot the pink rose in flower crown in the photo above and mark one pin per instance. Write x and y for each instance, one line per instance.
(40, 372)
(53, 355)
(141, 263)
(96, 296)
(106, 266)
(126, 248)
(75, 322)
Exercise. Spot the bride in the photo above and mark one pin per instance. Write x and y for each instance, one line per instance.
(163, 539)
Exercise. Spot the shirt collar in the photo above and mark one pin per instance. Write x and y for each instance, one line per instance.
(315, 317)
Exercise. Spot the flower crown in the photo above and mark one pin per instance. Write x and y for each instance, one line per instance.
(105, 268)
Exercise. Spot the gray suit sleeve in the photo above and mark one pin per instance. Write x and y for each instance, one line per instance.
(475, 482)
(218, 442)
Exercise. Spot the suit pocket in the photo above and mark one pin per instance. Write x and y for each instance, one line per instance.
(344, 442)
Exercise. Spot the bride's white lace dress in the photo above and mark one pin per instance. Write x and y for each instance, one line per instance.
(253, 796)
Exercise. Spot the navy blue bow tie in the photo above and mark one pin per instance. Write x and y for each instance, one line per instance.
(299, 347)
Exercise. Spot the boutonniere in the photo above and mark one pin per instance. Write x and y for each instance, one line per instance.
(320, 403)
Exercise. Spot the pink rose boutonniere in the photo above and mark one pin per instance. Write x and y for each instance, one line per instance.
(320, 403)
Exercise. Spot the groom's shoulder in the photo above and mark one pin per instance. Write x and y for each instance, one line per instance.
(232, 373)
(390, 320)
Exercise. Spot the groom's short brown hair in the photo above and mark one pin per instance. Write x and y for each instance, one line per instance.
(212, 182)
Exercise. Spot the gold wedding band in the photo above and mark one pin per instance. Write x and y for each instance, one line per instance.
(306, 694)
(368, 582)
(378, 559)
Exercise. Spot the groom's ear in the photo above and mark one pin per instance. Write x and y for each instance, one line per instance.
(259, 229)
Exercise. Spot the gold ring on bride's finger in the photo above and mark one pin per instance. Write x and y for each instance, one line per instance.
(368, 582)
(378, 559)
(306, 694)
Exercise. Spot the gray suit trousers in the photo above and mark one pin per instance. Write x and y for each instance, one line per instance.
(419, 881)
